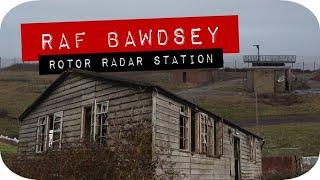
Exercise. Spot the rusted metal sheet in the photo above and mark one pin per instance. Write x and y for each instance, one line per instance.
(281, 164)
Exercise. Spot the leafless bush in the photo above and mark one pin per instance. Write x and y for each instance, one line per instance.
(280, 99)
(126, 156)
(3, 113)
(275, 175)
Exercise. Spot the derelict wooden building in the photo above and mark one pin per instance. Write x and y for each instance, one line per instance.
(81, 104)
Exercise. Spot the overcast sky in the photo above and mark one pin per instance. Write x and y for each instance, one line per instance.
(280, 27)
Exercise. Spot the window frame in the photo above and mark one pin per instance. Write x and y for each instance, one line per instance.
(252, 149)
(193, 131)
(219, 125)
(205, 134)
(45, 124)
(83, 123)
(185, 128)
(216, 139)
(97, 134)
(60, 130)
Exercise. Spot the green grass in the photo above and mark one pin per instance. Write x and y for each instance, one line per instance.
(238, 107)
(224, 75)
(291, 139)
(17, 91)
(161, 79)
(13, 101)
(9, 127)
(232, 88)
(7, 148)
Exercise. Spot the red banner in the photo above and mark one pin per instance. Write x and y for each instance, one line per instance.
(63, 38)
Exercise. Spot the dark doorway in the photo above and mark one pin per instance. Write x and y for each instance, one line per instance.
(287, 81)
(237, 169)
(88, 116)
(193, 131)
(184, 77)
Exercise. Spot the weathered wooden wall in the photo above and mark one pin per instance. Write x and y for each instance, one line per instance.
(199, 166)
(129, 104)
(126, 104)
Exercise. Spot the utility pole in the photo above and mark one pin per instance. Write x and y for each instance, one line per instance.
(257, 114)
(258, 47)
(0, 63)
(257, 109)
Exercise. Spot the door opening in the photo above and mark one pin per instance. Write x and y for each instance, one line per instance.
(193, 131)
(237, 169)
(184, 77)
(88, 117)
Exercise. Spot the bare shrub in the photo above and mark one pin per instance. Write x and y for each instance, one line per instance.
(275, 175)
(3, 113)
(280, 99)
(127, 155)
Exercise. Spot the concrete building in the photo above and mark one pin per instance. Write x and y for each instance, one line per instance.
(195, 76)
(269, 73)
(267, 80)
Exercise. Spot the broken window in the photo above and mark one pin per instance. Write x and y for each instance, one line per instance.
(55, 132)
(193, 131)
(206, 134)
(50, 131)
(218, 137)
(215, 136)
(100, 124)
(203, 133)
(87, 124)
(41, 134)
(183, 124)
(210, 138)
(252, 148)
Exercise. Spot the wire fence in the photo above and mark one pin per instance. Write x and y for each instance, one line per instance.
(311, 65)
(302, 65)
(16, 64)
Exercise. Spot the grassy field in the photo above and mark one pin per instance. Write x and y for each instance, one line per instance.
(237, 107)
(17, 91)
(289, 139)
(284, 139)
(232, 88)
(7, 148)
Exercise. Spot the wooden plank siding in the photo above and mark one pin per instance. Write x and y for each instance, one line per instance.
(127, 105)
(200, 166)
